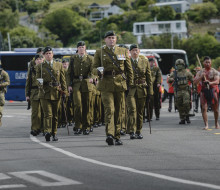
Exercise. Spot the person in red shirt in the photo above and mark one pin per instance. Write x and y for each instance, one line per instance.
(209, 79)
(170, 91)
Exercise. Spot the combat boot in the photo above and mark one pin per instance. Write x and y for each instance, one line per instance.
(188, 120)
(182, 122)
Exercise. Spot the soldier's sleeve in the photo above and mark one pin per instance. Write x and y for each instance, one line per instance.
(27, 88)
(69, 70)
(91, 65)
(97, 62)
(129, 70)
(63, 79)
(171, 78)
(6, 80)
(149, 78)
(159, 76)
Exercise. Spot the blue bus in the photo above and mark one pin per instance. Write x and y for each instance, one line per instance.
(16, 64)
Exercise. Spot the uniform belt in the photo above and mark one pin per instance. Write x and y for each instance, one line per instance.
(139, 81)
(80, 77)
(52, 84)
(34, 87)
(112, 73)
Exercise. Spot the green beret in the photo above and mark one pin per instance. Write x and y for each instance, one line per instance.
(46, 49)
(133, 46)
(81, 43)
(109, 33)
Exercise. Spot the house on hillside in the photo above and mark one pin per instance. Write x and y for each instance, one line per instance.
(104, 12)
(190, 1)
(178, 6)
(176, 27)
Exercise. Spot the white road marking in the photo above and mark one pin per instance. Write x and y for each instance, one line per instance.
(160, 176)
(58, 180)
(14, 186)
(3, 177)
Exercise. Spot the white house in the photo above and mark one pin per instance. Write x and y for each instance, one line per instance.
(176, 27)
(178, 6)
(105, 13)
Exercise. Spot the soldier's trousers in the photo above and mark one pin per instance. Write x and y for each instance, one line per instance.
(35, 115)
(123, 114)
(50, 109)
(182, 102)
(2, 103)
(154, 104)
(97, 109)
(135, 107)
(112, 108)
(82, 109)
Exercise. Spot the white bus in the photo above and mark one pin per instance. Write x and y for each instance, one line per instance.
(166, 60)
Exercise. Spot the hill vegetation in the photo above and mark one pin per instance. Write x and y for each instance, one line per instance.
(64, 22)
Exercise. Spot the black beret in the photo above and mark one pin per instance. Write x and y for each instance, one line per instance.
(151, 59)
(109, 33)
(38, 56)
(40, 49)
(81, 43)
(46, 49)
(133, 46)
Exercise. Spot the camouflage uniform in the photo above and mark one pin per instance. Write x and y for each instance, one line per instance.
(4, 82)
(182, 91)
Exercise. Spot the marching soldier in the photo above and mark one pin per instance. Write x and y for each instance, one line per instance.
(31, 91)
(112, 84)
(80, 83)
(4, 82)
(138, 92)
(182, 92)
(51, 77)
(155, 100)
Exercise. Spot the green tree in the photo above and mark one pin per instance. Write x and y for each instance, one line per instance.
(8, 19)
(201, 45)
(32, 6)
(65, 23)
(216, 63)
(166, 13)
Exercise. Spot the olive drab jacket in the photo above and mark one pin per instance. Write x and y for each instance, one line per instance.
(79, 72)
(142, 78)
(114, 82)
(31, 87)
(51, 84)
(4, 81)
(156, 75)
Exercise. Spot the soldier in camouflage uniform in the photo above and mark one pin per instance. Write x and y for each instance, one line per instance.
(182, 92)
(80, 83)
(31, 91)
(116, 62)
(155, 100)
(4, 82)
(136, 97)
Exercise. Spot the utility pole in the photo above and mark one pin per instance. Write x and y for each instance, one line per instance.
(9, 41)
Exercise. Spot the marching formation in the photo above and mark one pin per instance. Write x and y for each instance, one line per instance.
(114, 88)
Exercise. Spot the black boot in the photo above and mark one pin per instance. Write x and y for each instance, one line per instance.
(187, 119)
(182, 122)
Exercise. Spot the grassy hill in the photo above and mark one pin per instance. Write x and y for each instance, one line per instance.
(67, 3)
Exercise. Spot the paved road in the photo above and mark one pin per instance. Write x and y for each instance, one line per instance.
(172, 157)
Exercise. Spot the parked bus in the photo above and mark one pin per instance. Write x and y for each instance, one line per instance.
(16, 64)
